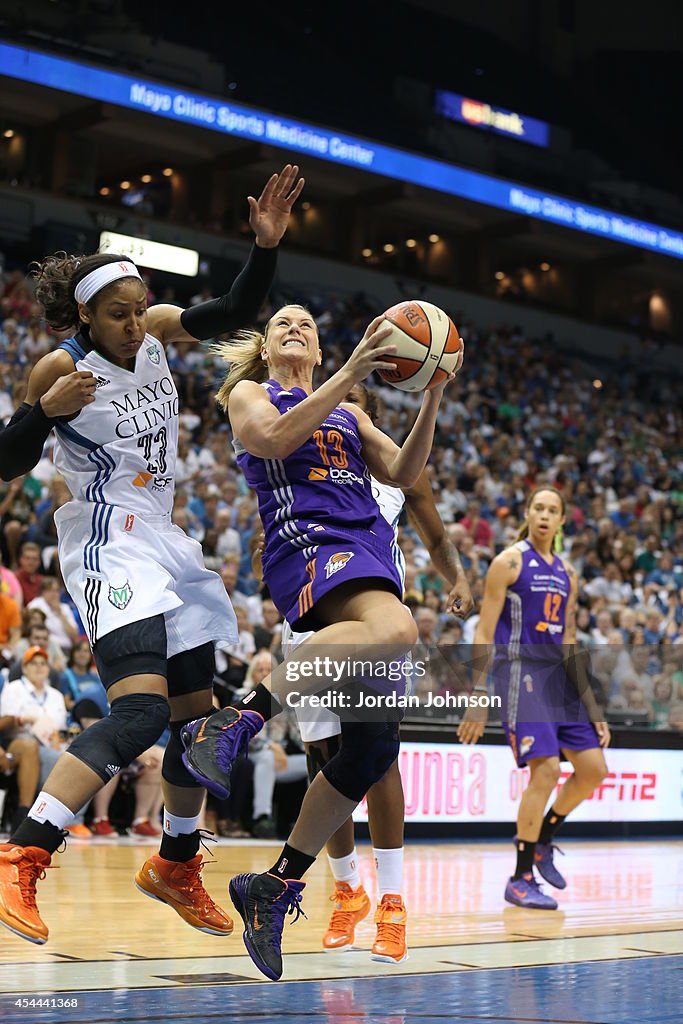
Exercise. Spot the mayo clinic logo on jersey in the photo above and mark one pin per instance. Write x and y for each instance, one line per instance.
(336, 562)
(526, 745)
(154, 354)
(120, 596)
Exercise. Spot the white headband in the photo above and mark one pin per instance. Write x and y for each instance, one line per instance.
(98, 279)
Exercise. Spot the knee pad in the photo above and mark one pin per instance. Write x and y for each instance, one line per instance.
(134, 724)
(367, 752)
(319, 753)
(191, 671)
(172, 768)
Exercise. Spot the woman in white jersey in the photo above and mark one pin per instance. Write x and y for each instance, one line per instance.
(151, 609)
(320, 731)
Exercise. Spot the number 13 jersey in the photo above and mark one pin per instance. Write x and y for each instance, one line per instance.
(121, 448)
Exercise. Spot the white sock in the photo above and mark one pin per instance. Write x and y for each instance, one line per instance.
(345, 869)
(174, 825)
(389, 864)
(49, 809)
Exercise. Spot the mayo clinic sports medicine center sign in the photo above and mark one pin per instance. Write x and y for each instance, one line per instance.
(297, 137)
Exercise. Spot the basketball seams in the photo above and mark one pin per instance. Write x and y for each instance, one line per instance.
(414, 349)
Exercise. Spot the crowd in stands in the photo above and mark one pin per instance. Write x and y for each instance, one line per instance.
(522, 412)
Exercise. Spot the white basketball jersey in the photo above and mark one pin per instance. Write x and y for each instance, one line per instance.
(391, 501)
(121, 448)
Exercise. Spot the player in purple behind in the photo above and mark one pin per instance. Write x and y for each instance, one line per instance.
(528, 611)
(328, 565)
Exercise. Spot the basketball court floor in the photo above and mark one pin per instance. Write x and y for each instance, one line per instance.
(612, 953)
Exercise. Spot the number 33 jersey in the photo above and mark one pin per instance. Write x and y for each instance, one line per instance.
(121, 448)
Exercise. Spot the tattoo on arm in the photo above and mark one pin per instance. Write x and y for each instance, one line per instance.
(447, 560)
(512, 563)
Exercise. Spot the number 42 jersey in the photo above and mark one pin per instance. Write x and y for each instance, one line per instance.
(121, 448)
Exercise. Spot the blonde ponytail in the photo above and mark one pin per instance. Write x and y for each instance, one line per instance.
(243, 355)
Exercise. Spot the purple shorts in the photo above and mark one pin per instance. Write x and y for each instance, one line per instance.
(541, 713)
(299, 579)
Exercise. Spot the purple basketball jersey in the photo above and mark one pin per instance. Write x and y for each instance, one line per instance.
(533, 618)
(324, 483)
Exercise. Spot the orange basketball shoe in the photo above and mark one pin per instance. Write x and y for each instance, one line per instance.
(390, 918)
(20, 869)
(180, 885)
(350, 907)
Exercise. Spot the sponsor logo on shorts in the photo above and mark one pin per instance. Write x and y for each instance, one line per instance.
(142, 479)
(336, 562)
(128, 525)
(529, 684)
(120, 597)
(526, 745)
(113, 769)
(317, 473)
(154, 354)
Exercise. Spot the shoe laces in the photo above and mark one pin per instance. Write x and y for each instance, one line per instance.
(389, 931)
(554, 849)
(30, 872)
(191, 882)
(289, 902)
(227, 749)
(206, 837)
(342, 917)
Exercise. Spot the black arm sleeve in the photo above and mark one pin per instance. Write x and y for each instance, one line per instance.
(22, 440)
(241, 305)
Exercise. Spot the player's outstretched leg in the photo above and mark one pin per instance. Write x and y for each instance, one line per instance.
(213, 744)
(262, 902)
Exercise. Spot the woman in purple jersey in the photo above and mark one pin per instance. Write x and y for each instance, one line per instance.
(528, 611)
(328, 565)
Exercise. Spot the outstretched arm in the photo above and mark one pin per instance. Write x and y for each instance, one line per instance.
(268, 217)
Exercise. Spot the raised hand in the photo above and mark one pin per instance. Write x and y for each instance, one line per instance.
(69, 394)
(269, 214)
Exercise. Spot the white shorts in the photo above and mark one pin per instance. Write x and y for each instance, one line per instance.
(314, 723)
(120, 567)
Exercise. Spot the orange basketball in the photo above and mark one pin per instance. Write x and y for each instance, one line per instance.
(428, 346)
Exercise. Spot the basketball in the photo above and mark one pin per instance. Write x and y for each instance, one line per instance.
(428, 346)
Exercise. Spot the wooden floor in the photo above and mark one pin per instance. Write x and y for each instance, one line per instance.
(624, 899)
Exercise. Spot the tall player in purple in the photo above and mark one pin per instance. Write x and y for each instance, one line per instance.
(328, 564)
(528, 611)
